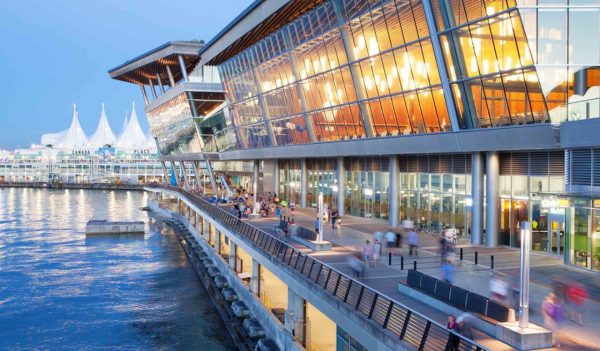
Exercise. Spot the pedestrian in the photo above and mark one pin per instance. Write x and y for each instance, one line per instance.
(576, 295)
(499, 288)
(334, 216)
(390, 240)
(378, 236)
(368, 252)
(553, 316)
(376, 252)
(454, 340)
(413, 242)
(443, 249)
(398, 238)
(465, 325)
(448, 272)
(278, 212)
(317, 225)
(356, 266)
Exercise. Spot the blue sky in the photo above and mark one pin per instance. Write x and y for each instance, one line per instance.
(57, 52)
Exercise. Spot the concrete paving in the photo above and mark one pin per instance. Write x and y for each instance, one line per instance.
(384, 278)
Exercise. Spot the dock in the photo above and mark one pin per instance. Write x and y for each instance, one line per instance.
(114, 227)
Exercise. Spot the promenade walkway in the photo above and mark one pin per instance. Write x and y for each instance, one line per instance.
(385, 278)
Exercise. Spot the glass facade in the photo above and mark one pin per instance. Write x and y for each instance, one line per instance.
(367, 187)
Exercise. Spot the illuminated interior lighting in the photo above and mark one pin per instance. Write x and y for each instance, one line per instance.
(373, 46)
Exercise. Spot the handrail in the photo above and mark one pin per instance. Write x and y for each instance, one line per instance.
(393, 316)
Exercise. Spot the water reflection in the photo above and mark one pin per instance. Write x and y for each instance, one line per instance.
(62, 290)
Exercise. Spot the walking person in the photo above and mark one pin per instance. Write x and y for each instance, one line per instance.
(448, 271)
(368, 252)
(576, 295)
(376, 252)
(334, 217)
(390, 240)
(413, 242)
(553, 316)
(278, 212)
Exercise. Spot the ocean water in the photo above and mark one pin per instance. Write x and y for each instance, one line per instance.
(62, 291)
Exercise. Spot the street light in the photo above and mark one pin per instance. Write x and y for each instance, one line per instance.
(524, 294)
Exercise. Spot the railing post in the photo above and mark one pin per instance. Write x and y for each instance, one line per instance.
(401, 263)
(389, 258)
(492, 264)
(415, 265)
(362, 289)
(405, 325)
(387, 315)
(425, 333)
(461, 253)
(476, 257)
(373, 305)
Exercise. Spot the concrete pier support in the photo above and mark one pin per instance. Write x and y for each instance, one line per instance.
(296, 316)
(341, 183)
(196, 170)
(218, 241)
(232, 254)
(477, 194)
(303, 183)
(276, 176)
(255, 168)
(255, 281)
(492, 195)
(211, 176)
(394, 195)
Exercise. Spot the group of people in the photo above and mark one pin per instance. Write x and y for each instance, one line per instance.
(267, 205)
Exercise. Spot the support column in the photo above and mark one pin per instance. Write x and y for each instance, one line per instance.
(232, 254)
(146, 101)
(182, 67)
(276, 176)
(186, 183)
(295, 316)
(303, 183)
(171, 78)
(174, 168)
(160, 84)
(492, 196)
(477, 196)
(255, 167)
(152, 90)
(211, 176)
(355, 72)
(197, 175)
(255, 281)
(217, 242)
(394, 193)
(341, 193)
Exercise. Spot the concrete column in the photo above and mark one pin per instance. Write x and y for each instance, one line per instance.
(341, 193)
(295, 316)
(255, 282)
(146, 101)
(492, 196)
(171, 78)
(211, 176)
(184, 171)
(232, 254)
(394, 194)
(174, 168)
(182, 67)
(256, 165)
(152, 90)
(160, 84)
(276, 176)
(303, 182)
(197, 175)
(477, 197)
(217, 241)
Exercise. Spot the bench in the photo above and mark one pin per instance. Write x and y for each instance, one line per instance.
(488, 310)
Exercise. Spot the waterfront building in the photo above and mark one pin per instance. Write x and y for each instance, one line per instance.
(70, 156)
(478, 114)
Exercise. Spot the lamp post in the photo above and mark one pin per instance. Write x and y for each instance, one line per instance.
(320, 234)
(524, 294)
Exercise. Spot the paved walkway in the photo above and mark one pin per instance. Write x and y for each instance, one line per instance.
(384, 278)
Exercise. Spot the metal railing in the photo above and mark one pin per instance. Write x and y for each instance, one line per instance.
(390, 315)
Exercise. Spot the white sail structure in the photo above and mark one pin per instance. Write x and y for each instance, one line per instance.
(72, 138)
(125, 122)
(103, 134)
(133, 136)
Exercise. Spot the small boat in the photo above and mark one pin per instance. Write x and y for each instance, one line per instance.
(104, 226)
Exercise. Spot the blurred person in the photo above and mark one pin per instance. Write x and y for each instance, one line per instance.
(465, 325)
(378, 236)
(448, 271)
(553, 316)
(376, 252)
(334, 217)
(499, 288)
(453, 341)
(576, 296)
(413, 242)
(390, 240)
(368, 252)
(356, 266)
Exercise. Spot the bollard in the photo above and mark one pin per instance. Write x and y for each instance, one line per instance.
(389, 258)
(401, 263)
(476, 256)
(415, 265)
(461, 253)
(492, 261)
